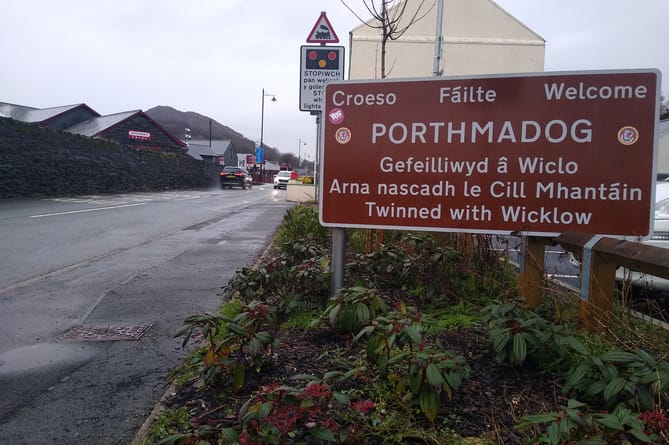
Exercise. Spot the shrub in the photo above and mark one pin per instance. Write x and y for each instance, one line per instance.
(396, 349)
(513, 331)
(299, 223)
(353, 308)
(234, 344)
(635, 379)
(250, 283)
(575, 423)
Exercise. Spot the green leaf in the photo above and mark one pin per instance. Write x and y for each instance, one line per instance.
(341, 398)
(645, 400)
(641, 436)
(553, 432)
(429, 403)
(611, 421)
(374, 346)
(575, 344)
(332, 374)
(540, 418)
(595, 388)
(237, 374)
(433, 375)
(361, 314)
(173, 439)
(264, 337)
(307, 377)
(264, 410)
(398, 357)
(413, 333)
(500, 340)
(391, 340)
(576, 376)
(618, 357)
(230, 434)
(519, 348)
(453, 379)
(236, 329)
(613, 388)
(575, 404)
(415, 382)
(646, 357)
(367, 330)
(334, 314)
(323, 434)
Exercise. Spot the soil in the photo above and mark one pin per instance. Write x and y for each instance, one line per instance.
(488, 404)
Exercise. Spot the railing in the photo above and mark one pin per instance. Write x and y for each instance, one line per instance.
(599, 257)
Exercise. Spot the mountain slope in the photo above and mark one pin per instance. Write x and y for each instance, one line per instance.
(176, 122)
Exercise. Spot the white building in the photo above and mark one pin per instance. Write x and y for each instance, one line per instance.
(479, 37)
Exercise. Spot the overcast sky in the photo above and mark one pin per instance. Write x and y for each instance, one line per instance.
(214, 57)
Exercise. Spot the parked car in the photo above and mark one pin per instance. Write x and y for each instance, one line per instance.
(659, 238)
(235, 177)
(281, 179)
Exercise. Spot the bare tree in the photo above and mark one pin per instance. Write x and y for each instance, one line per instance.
(387, 16)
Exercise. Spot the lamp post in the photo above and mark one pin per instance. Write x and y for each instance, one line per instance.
(262, 125)
(299, 147)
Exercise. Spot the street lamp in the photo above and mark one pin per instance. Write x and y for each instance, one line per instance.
(299, 147)
(262, 124)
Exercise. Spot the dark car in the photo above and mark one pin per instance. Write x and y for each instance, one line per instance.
(235, 177)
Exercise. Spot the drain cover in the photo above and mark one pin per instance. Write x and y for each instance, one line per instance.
(105, 333)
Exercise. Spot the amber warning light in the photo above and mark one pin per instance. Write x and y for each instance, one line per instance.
(534, 154)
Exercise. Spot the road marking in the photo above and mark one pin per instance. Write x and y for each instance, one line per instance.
(43, 215)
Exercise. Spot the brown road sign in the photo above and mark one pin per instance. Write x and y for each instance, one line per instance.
(538, 154)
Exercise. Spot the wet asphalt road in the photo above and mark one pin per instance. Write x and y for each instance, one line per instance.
(116, 262)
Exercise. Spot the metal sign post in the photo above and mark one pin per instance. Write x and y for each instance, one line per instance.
(318, 66)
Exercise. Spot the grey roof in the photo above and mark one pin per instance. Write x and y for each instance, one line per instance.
(96, 125)
(196, 151)
(32, 115)
(218, 146)
(13, 111)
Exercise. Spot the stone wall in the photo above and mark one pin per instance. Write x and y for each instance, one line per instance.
(36, 161)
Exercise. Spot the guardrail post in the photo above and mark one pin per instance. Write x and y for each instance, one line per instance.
(531, 277)
(598, 282)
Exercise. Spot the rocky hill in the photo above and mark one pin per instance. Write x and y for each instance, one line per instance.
(176, 121)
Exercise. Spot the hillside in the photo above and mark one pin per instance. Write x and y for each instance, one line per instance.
(176, 121)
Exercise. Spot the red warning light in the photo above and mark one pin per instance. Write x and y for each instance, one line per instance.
(332, 55)
(313, 55)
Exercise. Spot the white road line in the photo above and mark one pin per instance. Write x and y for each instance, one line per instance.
(43, 215)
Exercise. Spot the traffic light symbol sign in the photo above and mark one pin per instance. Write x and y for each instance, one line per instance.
(324, 59)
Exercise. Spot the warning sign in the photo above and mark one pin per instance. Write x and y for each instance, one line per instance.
(322, 32)
(318, 65)
(537, 154)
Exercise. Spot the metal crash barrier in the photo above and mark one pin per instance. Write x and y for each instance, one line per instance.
(599, 257)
